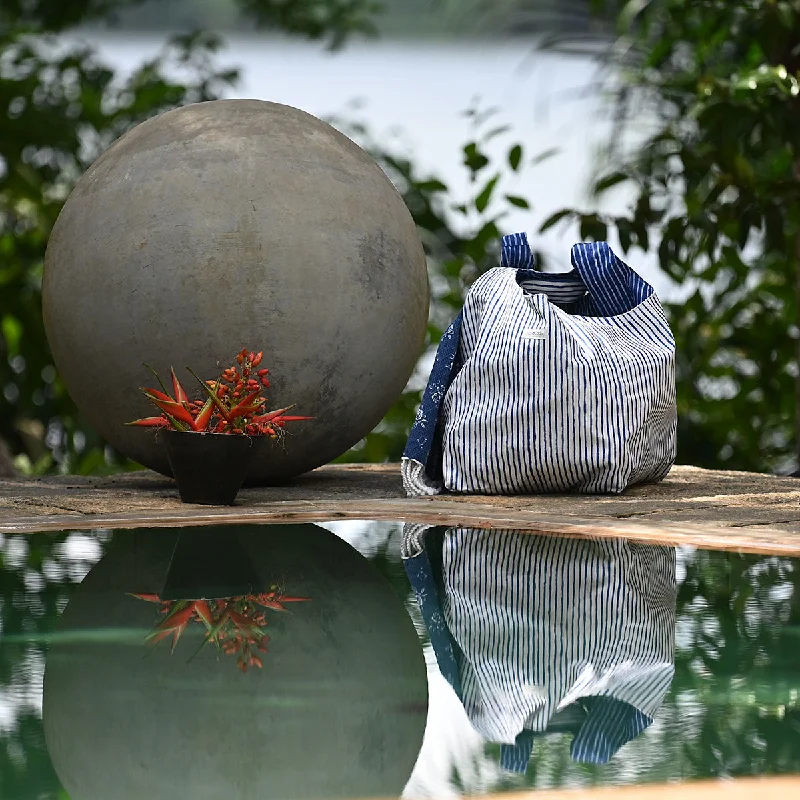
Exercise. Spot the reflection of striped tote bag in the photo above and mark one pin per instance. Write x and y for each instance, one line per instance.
(549, 382)
(535, 631)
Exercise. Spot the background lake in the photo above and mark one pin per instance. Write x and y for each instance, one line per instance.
(414, 94)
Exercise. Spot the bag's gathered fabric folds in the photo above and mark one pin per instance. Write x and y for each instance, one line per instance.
(532, 629)
(548, 382)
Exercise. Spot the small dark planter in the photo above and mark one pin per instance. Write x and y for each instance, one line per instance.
(208, 467)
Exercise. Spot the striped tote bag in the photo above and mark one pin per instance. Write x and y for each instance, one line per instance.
(548, 383)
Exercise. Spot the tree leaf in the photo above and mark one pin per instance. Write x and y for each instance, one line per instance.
(431, 186)
(556, 218)
(474, 159)
(592, 227)
(495, 132)
(624, 233)
(515, 157)
(482, 200)
(608, 181)
(545, 154)
(516, 200)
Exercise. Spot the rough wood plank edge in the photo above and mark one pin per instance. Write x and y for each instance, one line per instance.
(474, 515)
(727, 789)
(700, 508)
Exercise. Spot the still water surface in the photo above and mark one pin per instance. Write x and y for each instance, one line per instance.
(375, 660)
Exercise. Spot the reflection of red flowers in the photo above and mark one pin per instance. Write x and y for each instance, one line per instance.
(235, 625)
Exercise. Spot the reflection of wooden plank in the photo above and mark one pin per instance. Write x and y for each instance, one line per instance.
(743, 511)
(738, 789)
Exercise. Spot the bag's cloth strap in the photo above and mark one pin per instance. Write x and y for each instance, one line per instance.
(604, 283)
(613, 287)
(516, 252)
(599, 285)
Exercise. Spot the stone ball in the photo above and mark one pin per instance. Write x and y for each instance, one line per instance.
(231, 224)
(338, 709)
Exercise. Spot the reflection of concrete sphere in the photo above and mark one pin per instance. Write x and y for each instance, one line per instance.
(230, 224)
(338, 709)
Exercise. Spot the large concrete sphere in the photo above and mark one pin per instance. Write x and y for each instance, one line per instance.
(338, 710)
(231, 224)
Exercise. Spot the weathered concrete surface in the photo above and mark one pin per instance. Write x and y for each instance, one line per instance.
(231, 224)
(744, 511)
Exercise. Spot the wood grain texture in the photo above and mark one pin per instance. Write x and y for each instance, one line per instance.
(703, 508)
(737, 789)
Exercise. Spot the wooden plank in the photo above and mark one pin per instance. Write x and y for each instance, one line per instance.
(737, 789)
(694, 507)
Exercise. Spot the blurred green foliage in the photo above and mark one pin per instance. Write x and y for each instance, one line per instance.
(715, 174)
(417, 19)
(330, 20)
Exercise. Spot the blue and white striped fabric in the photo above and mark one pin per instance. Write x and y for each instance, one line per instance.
(549, 382)
(537, 623)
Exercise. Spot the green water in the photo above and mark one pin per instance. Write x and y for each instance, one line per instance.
(338, 702)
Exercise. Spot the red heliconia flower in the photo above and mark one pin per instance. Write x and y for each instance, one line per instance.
(233, 403)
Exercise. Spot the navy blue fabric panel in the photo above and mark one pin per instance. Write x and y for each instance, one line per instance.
(421, 441)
